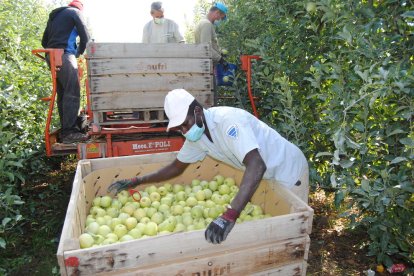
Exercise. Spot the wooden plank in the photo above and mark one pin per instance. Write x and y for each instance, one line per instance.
(171, 248)
(134, 101)
(149, 66)
(67, 230)
(133, 50)
(242, 261)
(150, 82)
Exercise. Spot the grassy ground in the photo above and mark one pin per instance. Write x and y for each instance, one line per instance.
(334, 250)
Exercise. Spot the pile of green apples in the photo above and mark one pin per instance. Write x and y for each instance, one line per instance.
(160, 210)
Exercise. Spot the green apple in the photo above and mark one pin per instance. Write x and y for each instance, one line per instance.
(151, 211)
(200, 224)
(311, 7)
(210, 203)
(213, 212)
(200, 195)
(140, 226)
(229, 181)
(115, 222)
(187, 220)
(218, 199)
(191, 201)
(97, 201)
(157, 217)
(126, 237)
(213, 185)
(180, 227)
(112, 236)
(89, 220)
(135, 233)
(177, 210)
(197, 212)
(168, 186)
(162, 190)
(188, 190)
(122, 199)
(97, 211)
(120, 230)
(123, 217)
(204, 184)
(166, 200)
(219, 179)
(86, 240)
(226, 198)
(93, 228)
(108, 241)
(106, 201)
(226, 79)
(129, 209)
(195, 189)
(164, 208)
(207, 193)
(140, 213)
(145, 201)
(104, 230)
(116, 204)
(195, 182)
(155, 204)
(101, 220)
(145, 220)
(224, 189)
(131, 222)
(151, 189)
(151, 228)
(181, 195)
(234, 189)
(177, 188)
(113, 212)
(155, 196)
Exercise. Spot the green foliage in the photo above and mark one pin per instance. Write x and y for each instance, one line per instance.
(22, 114)
(336, 78)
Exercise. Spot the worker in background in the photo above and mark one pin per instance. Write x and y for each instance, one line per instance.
(160, 29)
(205, 30)
(65, 24)
(234, 137)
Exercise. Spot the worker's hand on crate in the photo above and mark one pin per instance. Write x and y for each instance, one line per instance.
(219, 228)
(124, 184)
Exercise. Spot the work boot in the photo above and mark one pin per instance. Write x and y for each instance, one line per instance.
(74, 138)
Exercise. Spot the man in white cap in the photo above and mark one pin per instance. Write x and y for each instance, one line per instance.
(235, 137)
(161, 29)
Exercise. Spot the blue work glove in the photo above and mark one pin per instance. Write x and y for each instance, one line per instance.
(219, 228)
(124, 184)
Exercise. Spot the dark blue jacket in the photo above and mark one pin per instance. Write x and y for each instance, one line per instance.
(62, 29)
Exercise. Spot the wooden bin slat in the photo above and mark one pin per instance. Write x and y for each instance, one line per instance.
(134, 101)
(150, 82)
(242, 261)
(133, 50)
(111, 66)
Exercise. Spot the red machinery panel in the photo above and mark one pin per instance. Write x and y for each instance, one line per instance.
(167, 144)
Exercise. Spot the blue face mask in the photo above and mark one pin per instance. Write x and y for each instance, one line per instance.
(218, 22)
(195, 132)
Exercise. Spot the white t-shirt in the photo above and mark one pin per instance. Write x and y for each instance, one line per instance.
(236, 132)
(168, 32)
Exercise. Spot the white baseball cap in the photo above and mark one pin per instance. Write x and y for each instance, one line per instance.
(176, 106)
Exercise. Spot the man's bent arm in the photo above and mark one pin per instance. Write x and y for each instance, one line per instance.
(255, 169)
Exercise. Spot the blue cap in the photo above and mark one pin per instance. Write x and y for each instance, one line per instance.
(222, 8)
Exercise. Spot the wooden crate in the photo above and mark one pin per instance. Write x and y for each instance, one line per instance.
(277, 245)
(135, 77)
